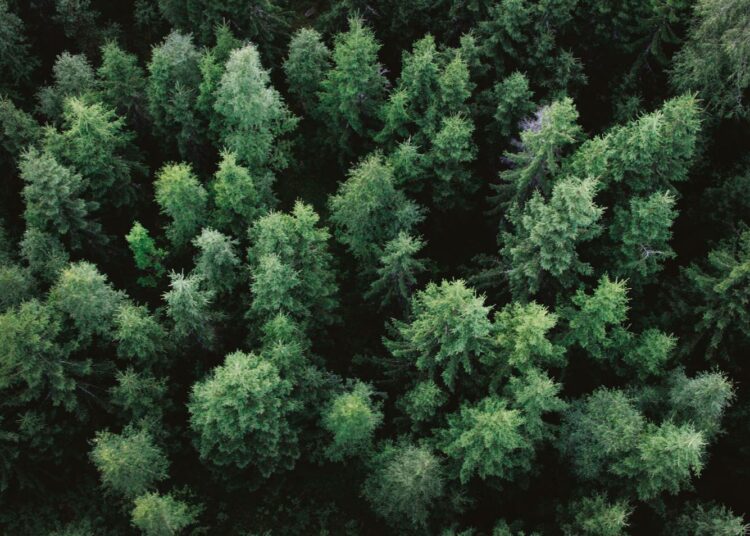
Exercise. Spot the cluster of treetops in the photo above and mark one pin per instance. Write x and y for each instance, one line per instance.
(429, 267)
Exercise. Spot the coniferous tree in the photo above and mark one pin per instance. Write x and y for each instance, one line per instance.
(450, 330)
(241, 413)
(306, 66)
(353, 89)
(405, 484)
(188, 305)
(162, 515)
(398, 271)
(547, 233)
(253, 114)
(369, 210)
(129, 463)
(122, 82)
(217, 262)
(173, 80)
(15, 61)
(147, 256)
(183, 199)
(73, 76)
(239, 197)
(53, 195)
(351, 418)
(94, 142)
(290, 267)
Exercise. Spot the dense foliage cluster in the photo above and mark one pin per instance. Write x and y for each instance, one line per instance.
(392, 267)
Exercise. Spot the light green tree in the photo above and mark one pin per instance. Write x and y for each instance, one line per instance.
(239, 197)
(217, 262)
(597, 516)
(129, 463)
(648, 154)
(183, 199)
(290, 253)
(522, 337)
(405, 484)
(162, 515)
(240, 415)
(486, 439)
(595, 322)
(139, 335)
(147, 256)
(253, 114)
(189, 307)
(448, 333)
(94, 142)
(351, 418)
(546, 234)
(83, 297)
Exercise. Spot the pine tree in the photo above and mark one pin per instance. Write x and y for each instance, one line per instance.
(183, 199)
(85, 300)
(649, 154)
(306, 66)
(596, 321)
(139, 335)
(188, 305)
(643, 233)
(719, 304)
(73, 77)
(147, 256)
(405, 483)
(449, 331)
(451, 154)
(129, 463)
(173, 80)
(545, 137)
(486, 440)
(253, 114)
(713, 61)
(239, 197)
(291, 250)
(162, 515)
(522, 335)
(217, 263)
(15, 61)
(369, 211)
(122, 82)
(351, 418)
(212, 65)
(598, 516)
(353, 89)
(94, 142)
(398, 271)
(240, 415)
(547, 233)
(53, 197)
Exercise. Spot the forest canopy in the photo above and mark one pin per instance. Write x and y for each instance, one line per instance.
(463, 268)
